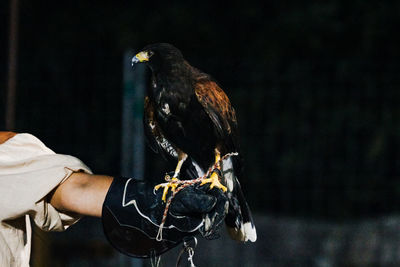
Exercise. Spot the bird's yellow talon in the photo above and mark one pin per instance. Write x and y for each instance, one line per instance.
(173, 184)
(157, 187)
(214, 182)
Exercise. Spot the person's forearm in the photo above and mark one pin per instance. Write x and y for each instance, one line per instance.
(82, 193)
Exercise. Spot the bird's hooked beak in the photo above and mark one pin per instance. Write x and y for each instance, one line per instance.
(140, 57)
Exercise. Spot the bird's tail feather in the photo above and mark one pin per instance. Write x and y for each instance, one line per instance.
(239, 220)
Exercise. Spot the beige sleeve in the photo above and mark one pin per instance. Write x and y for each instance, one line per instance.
(29, 171)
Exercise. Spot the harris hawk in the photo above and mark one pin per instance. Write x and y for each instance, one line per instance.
(188, 117)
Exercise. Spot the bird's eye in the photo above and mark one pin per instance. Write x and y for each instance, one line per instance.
(150, 53)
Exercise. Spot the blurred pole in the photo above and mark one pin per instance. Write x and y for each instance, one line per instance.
(12, 66)
(132, 157)
(132, 114)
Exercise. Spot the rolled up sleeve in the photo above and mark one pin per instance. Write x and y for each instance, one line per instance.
(29, 171)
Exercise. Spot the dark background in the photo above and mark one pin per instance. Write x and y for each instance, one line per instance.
(315, 86)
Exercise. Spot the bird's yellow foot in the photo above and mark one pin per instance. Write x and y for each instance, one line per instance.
(173, 184)
(214, 182)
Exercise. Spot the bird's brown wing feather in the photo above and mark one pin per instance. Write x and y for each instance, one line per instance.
(218, 107)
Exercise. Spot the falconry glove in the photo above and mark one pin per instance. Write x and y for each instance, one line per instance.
(133, 211)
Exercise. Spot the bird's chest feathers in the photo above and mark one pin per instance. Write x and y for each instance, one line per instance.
(169, 98)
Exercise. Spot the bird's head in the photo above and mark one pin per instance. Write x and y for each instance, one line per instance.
(158, 56)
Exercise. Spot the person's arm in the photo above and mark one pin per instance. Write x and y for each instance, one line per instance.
(82, 193)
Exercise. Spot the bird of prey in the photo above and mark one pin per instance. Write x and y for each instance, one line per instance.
(188, 117)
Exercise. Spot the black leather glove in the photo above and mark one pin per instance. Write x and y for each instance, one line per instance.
(133, 211)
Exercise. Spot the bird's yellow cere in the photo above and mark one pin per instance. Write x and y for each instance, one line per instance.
(142, 56)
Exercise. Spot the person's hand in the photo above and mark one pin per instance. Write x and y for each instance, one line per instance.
(133, 212)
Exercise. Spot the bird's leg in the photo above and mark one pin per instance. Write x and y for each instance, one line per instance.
(181, 159)
(173, 182)
(214, 178)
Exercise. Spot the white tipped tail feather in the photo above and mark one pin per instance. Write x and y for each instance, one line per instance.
(239, 221)
(246, 232)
